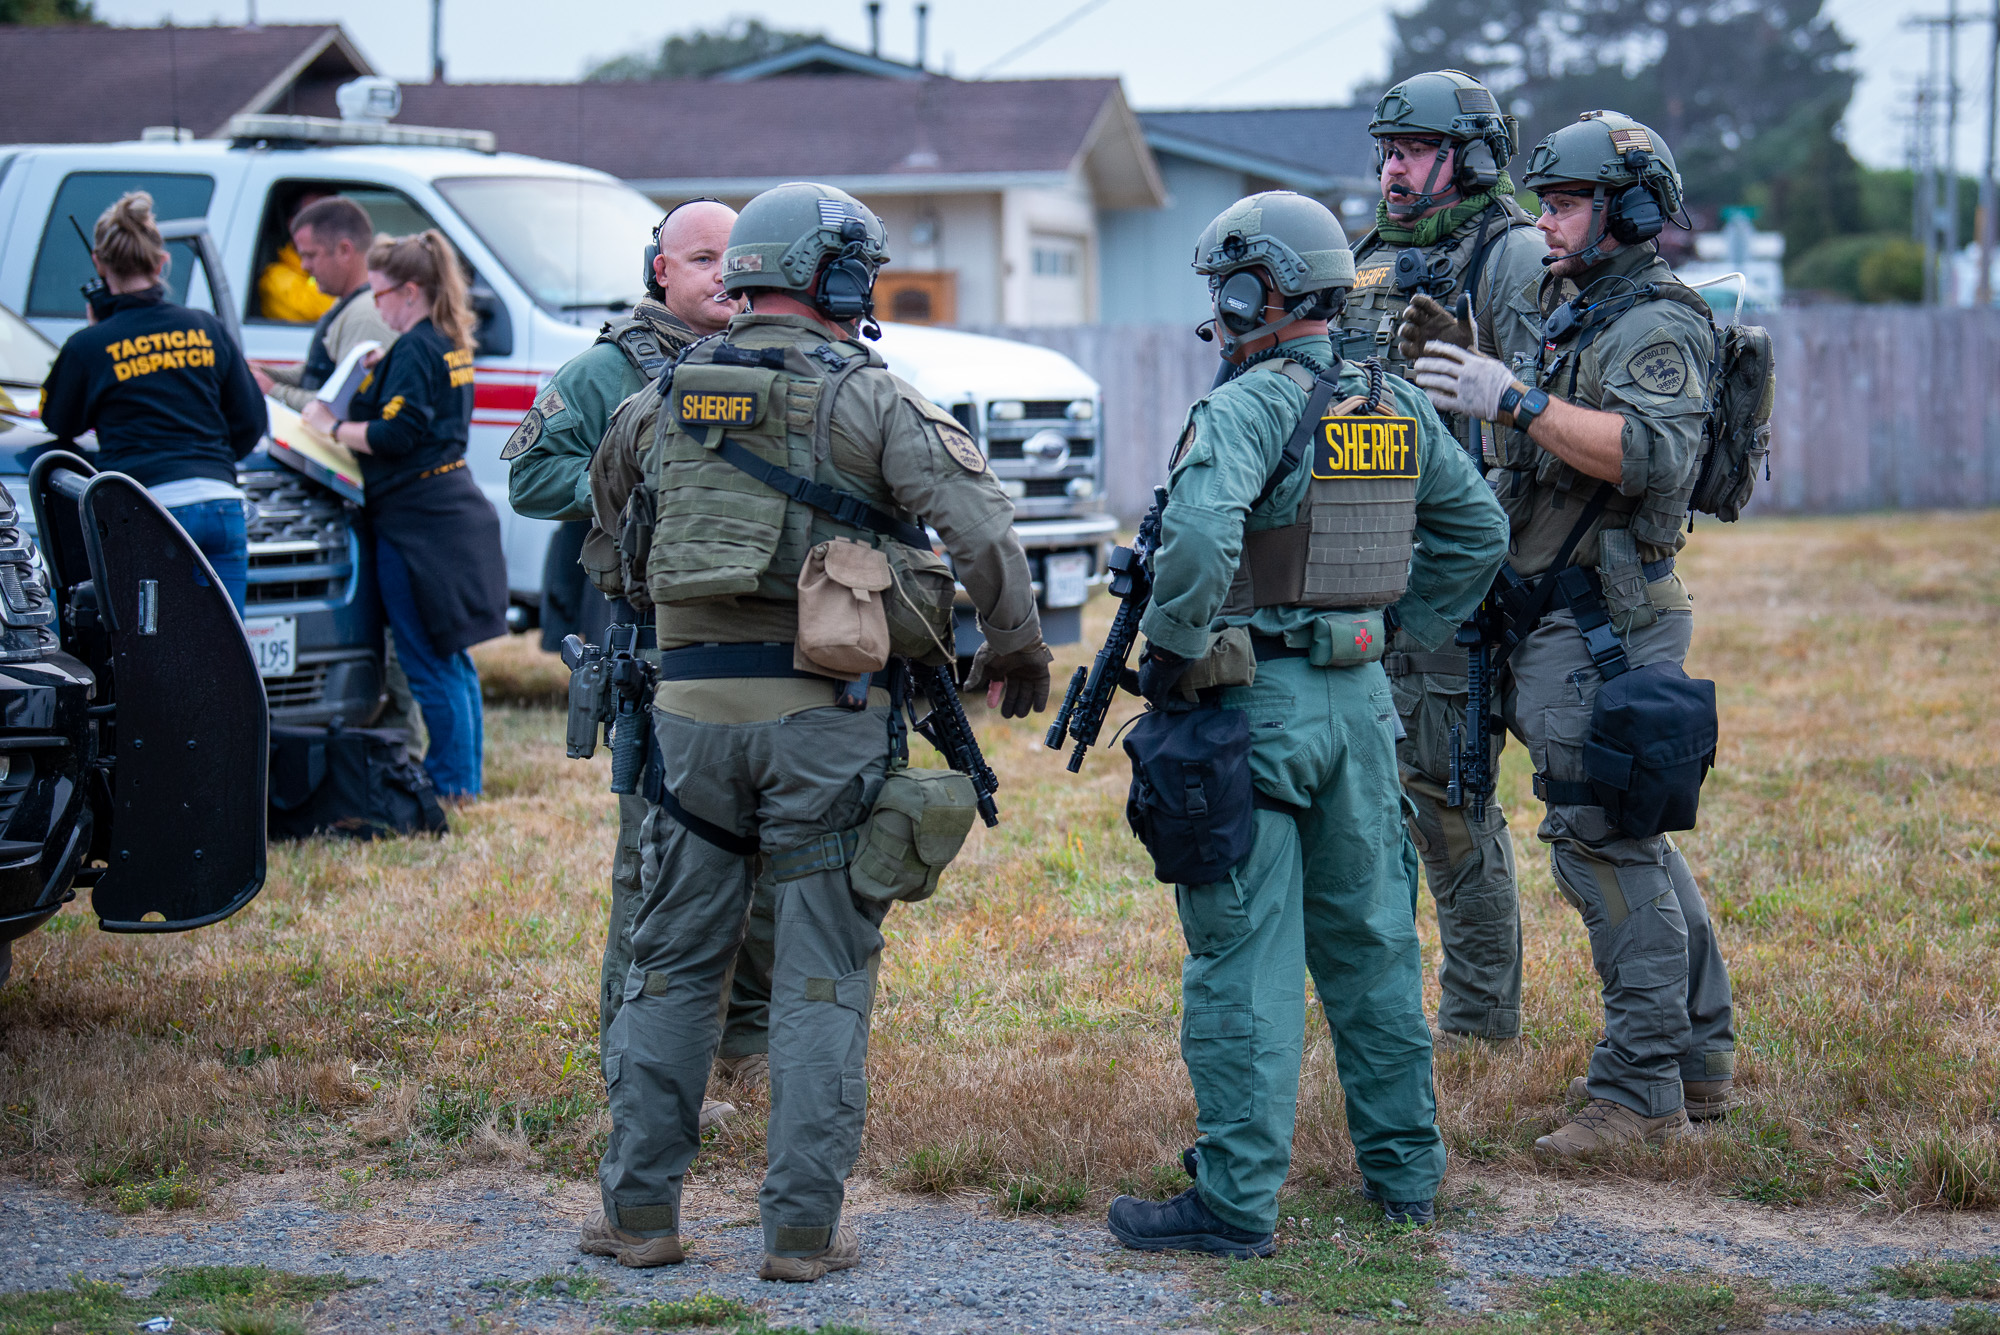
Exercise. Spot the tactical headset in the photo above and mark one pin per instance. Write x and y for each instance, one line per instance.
(1239, 308)
(653, 248)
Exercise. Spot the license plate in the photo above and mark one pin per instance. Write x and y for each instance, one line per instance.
(275, 641)
(1066, 579)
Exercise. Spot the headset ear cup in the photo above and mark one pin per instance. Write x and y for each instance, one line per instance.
(1239, 302)
(1476, 169)
(844, 287)
(649, 282)
(1634, 216)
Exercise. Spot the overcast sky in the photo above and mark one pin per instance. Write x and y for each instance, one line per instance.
(1171, 53)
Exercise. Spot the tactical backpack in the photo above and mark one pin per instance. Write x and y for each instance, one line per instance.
(1736, 443)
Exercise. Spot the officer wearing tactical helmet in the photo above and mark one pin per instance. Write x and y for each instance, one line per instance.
(1310, 501)
(1606, 421)
(548, 460)
(790, 476)
(1449, 238)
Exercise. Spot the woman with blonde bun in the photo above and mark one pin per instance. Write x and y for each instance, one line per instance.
(438, 559)
(166, 389)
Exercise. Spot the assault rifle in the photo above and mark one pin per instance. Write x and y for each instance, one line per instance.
(947, 729)
(1471, 781)
(1092, 690)
(611, 687)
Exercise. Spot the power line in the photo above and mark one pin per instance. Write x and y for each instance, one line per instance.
(1345, 25)
(1085, 8)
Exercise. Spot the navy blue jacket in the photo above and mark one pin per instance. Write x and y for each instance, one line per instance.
(165, 387)
(417, 402)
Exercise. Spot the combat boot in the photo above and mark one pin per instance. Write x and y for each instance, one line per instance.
(1705, 1100)
(1182, 1224)
(628, 1249)
(1414, 1213)
(714, 1112)
(1702, 1100)
(752, 1071)
(1603, 1125)
(843, 1253)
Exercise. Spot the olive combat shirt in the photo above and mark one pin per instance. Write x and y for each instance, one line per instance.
(1231, 446)
(548, 456)
(888, 437)
(1649, 365)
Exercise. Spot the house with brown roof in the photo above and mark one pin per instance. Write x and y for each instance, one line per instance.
(991, 190)
(142, 79)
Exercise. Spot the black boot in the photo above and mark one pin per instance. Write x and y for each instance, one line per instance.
(1182, 1224)
(1414, 1213)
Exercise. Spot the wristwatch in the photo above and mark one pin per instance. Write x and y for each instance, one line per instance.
(1525, 405)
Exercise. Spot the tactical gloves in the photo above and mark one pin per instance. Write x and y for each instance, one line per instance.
(1018, 682)
(1159, 672)
(1459, 381)
(1425, 321)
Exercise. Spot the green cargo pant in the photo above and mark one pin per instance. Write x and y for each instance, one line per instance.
(1667, 1008)
(785, 782)
(1331, 891)
(1468, 864)
(748, 1018)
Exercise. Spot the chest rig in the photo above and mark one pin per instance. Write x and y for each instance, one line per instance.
(641, 343)
(1349, 544)
(1387, 275)
(742, 475)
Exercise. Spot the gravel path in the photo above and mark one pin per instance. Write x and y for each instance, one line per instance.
(447, 1253)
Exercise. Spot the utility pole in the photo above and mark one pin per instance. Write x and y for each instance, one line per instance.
(1983, 293)
(437, 41)
(1941, 202)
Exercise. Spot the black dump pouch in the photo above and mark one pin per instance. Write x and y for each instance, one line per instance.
(352, 781)
(1652, 740)
(1191, 802)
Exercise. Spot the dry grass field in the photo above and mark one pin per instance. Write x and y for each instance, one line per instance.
(408, 1007)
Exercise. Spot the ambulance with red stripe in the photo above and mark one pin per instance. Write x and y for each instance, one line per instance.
(553, 251)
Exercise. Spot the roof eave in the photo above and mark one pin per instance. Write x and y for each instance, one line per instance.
(883, 183)
(855, 61)
(267, 96)
(1289, 174)
(1116, 129)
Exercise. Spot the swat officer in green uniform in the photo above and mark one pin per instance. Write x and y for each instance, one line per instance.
(548, 478)
(786, 459)
(1595, 473)
(1308, 574)
(1447, 228)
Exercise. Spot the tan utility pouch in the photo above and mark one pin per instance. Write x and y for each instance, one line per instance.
(919, 604)
(1624, 579)
(918, 825)
(602, 564)
(843, 626)
(1228, 662)
(1347, 639)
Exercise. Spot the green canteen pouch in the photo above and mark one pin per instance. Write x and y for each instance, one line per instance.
(919, 605)
(1347, 639)
(1228, 662)
(918, 825)
(1624, 580)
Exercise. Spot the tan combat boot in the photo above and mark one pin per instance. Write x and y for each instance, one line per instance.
(1603, 1125)
(843, 1254)
(748, 1072)
(714, 1112)
(1705, 1100)
(628, 1249)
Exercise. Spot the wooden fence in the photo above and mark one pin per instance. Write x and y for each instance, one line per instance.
(1878, 407)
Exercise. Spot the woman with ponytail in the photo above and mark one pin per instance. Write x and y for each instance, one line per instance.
(438, 559)
(168, 392)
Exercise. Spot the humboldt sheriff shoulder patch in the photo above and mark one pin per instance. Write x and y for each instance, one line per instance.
(1658, 368)
(524, 437)
(698, 407)
(1366, 447)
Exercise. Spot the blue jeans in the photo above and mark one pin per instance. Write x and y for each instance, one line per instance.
(447, 689)
(217, 528)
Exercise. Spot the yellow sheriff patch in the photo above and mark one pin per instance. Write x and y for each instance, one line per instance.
(1366, 447)
(702, 408)
(1368, 278)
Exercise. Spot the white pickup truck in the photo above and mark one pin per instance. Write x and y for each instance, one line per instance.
(553, 250)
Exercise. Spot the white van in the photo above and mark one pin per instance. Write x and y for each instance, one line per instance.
(554, 250)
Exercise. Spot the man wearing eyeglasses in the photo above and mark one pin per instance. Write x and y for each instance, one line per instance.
(1603, 432)
(549, 478)
(1448, 247)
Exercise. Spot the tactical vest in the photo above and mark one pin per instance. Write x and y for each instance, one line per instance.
(721, 532)
(1350, 542)
(1375, 305)
(641, 343)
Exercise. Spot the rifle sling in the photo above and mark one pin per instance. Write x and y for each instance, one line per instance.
(1545, 585)
(844, 506)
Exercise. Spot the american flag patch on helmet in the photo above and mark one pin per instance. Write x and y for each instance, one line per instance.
(832, 213)
(1627, 139)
